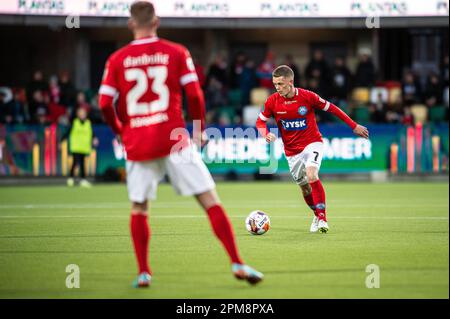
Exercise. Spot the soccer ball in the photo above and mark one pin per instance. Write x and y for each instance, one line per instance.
(257, 223)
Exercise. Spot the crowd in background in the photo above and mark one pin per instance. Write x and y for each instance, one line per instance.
(228, 86)
(333, 82)
(45, 101)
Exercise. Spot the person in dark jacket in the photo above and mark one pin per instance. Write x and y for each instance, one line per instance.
(365, 71)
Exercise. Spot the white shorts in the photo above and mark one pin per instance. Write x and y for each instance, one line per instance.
(187, 173)
(310, 156)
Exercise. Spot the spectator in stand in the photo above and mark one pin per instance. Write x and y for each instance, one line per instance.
(444, 71)
(236, 70)
(57, 112)
(411, 90)
(318, 69)
(215, 98)
(38, 108)
(68, 92)
(341, 78)
(313, 85)
(96, 115)
(218, 70)
(365, 71)
(248, 81)
(264, 71)
(378, 110)
(37, 84)
(407, 117)
(20, 111)
(289, 61)
(81, 102)
(53, 89)
(433, 92)
(6, 106)
(393, 116)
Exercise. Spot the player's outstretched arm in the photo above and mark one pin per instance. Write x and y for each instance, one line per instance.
(357, 129)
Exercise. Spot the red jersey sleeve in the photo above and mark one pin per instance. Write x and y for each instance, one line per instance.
(321, 104)
(107, 93)
(188, 73)
(264, 115)
(194, 93)
(109, 81)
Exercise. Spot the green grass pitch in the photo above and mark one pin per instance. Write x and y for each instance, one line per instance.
(401, 227)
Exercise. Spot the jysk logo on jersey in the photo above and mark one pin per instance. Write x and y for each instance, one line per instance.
(302, 110)
(294, 124)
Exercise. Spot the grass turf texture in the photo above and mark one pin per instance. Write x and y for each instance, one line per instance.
(403, 228)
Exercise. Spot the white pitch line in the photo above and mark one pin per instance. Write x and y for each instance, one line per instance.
(234, 216)
(194, 205)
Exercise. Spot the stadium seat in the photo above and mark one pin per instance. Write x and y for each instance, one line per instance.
(361, 95)
(437, 113)
(361, 114)
(395, 95)
(250, 114)
(235, 97)
(258, 96)
(419, 112)
(376, 91)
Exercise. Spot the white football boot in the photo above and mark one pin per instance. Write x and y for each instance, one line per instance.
(70, 182)
(85, 183)
(314, 225)
(323, 226)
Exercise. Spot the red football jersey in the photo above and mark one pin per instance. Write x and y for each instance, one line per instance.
(295, 118)
(147, 77)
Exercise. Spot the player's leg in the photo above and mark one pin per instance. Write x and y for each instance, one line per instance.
(298, 172)
(223, 230)
(190, 176)
(313, 153)
(142, 181)
(83, 182)
(307, 195)
(220, 222)
(71, 179)
(140, 234)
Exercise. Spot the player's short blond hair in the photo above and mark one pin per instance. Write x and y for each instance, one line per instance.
(143, 13)
(284, 71)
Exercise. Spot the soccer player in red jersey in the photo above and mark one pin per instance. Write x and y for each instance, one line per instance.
(293, 109)
(147, 78)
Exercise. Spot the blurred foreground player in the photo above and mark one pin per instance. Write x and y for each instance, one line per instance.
(293, 110)
(147, 77)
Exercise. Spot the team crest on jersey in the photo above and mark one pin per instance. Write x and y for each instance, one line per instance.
(294, 124)
(302, 110)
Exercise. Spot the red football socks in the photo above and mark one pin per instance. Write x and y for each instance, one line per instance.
(318, 195)
(224, 231)
(310, 202)
(140, 233)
